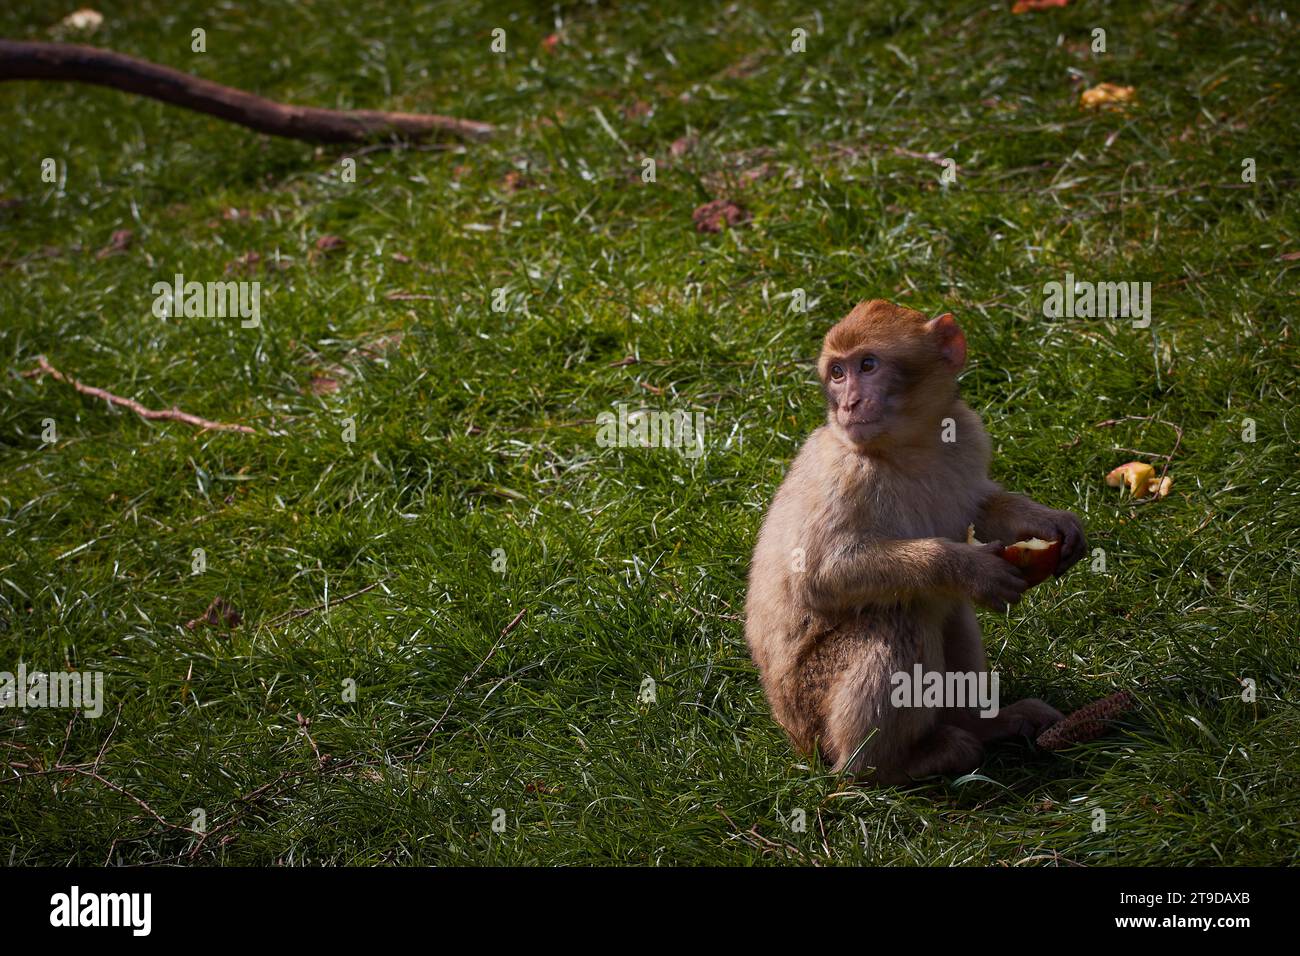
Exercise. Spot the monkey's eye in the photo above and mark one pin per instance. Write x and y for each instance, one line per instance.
(869, 363)
(837, 372)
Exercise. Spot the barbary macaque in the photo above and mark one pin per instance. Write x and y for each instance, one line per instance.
(862, 570)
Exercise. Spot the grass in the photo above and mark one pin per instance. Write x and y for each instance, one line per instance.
(474, 428)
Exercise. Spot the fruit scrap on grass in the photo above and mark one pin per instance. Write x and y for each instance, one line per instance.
(1109, 96)
(1028, 6)
(1141, 480)
(1086, 723)
(1037, 559)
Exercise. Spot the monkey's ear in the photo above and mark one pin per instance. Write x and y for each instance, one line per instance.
(951, 340)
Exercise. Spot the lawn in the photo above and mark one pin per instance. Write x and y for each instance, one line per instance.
(424, 387)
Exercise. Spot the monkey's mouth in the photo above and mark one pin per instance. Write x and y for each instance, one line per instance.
(859, 422)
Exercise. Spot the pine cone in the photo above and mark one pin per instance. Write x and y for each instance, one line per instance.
(1086, 723)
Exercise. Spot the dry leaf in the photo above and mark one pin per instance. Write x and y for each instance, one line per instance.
(514, 181)
(219, 612)
(743, 68)
(718, 215)
(245, 263)
(637, 109)
(249, 262)
(1107, 96)
(118, 243)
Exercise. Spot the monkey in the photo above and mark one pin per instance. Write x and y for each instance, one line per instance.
(862, 568)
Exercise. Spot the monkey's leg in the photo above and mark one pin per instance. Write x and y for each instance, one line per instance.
(963, 651)
(947, 750)
(870, 737)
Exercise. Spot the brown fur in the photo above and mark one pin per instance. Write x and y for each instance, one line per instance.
(861, 568)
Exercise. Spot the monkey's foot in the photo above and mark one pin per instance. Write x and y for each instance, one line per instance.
(947, 750)
(1025, 718)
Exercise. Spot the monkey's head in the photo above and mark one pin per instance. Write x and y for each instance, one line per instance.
(890, 375)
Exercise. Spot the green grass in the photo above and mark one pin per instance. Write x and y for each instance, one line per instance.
(476, 432)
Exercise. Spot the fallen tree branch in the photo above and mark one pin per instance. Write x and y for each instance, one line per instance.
(20, 60)
(172, 414)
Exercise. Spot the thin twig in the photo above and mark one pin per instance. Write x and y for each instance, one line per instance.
(293, 615)
(303, 724)
(505, 632)
(1178, 431)
(171, 414)
(67, 735)
(109, 739)
(124, 792)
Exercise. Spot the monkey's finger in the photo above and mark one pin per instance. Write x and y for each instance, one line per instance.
(1012, 587)
(1073, 546)
(1009, 599)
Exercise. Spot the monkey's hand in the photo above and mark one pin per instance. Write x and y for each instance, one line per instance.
(1016, 518)
(1052, 525)
(992, 582)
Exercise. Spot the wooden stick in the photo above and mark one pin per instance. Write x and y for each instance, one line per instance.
(171, 414)
(21, 60)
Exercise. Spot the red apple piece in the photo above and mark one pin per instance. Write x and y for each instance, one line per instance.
(1037, 559)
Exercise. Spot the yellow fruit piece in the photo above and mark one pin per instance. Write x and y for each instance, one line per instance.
(1160, 486)
(1137, 475)
(1107, 96)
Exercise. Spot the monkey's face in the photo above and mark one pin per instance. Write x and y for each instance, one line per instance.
(865, 394)
(889, 375)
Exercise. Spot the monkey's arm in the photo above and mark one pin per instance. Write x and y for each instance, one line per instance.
(1007, 517)
(852, 572)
